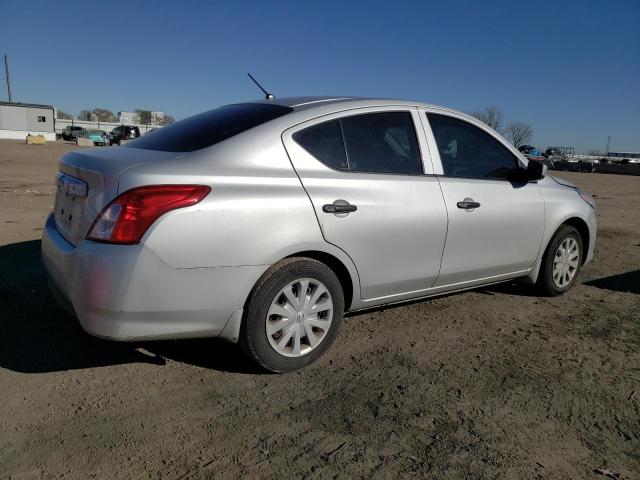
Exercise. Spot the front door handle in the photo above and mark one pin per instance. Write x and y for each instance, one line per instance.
(468, 204)
(339, 208)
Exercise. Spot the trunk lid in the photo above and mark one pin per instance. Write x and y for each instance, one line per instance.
(88, 181)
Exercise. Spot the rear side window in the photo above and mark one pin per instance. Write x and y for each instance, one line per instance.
(324, 142)
(469, 152)
(209, 128)
(383, 142)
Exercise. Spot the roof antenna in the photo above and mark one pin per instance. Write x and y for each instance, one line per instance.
(267, 95)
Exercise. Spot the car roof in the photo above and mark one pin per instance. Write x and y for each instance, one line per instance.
(344, 102)
(308, 108)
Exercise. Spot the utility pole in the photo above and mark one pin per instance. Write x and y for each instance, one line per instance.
(6, 69)
(606, 152)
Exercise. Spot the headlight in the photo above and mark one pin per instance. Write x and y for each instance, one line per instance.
(587, 198)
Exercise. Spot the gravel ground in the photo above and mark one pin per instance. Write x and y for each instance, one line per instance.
(492, 383)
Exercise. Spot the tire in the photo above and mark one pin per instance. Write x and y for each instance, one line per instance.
(267, 296)
(549, 282)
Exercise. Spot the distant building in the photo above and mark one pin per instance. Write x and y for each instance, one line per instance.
(157, 118)
(17, 120)
(128, 117)
(87, 116)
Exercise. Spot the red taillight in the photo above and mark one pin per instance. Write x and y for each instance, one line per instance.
(127, 217)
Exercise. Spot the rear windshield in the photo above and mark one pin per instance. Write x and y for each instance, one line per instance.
(209, 128)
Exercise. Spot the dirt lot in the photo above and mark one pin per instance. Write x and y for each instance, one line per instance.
(493, 383)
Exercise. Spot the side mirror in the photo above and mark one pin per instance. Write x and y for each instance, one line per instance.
(535, 170)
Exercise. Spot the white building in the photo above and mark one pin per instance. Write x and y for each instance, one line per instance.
(128, 117)
(157, 118)
(17, 120)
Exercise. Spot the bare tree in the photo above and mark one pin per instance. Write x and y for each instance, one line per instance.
(62, 115)
(168, 120)
(493, 117)
(104, 115)
(86, 115)
(144, 116)
(520, 133)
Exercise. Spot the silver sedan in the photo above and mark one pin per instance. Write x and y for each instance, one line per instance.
(263, 222)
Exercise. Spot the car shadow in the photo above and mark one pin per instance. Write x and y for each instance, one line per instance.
(628, 282)
(37, 336)
(510, 288)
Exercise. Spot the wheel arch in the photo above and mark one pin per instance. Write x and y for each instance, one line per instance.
(583, 229)
(338, 267)
(346, 273)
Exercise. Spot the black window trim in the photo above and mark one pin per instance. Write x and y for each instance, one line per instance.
(338, 119)
(344, 145)
(471, 122)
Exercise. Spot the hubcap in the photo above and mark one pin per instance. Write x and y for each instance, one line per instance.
(299, 317)
(565, 262)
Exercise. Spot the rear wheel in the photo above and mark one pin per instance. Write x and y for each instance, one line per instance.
(561, 262)
(293, 315)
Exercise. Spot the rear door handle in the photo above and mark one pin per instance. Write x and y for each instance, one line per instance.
(339, 208)
(468, 204)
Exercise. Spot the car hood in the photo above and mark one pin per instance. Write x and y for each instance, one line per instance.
(564, 182)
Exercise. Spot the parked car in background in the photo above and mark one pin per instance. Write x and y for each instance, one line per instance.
(72, 132)
(99, 137)
(531, 152)
(553, 152)
(526, 149)
(263, 222)
(123, 132)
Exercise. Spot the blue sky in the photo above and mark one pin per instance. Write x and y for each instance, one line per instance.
(569, 68)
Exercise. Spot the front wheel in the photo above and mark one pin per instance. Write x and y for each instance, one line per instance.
(561, 262)
(293, 315)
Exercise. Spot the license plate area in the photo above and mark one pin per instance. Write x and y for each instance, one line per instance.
(70, 196)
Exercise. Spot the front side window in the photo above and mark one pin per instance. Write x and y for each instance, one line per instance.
(469, 152)
(383, 142)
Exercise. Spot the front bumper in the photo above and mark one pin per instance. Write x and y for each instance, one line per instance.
(126, 292)
(593, 231)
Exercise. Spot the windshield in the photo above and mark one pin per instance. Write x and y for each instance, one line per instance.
(209, 128)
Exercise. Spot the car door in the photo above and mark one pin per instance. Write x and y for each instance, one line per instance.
(495, 224)
(363, 171)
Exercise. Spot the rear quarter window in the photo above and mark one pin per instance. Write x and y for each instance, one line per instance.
(209, 128)
(324, 142)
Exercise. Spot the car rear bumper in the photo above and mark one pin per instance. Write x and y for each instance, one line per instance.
(126, 292)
